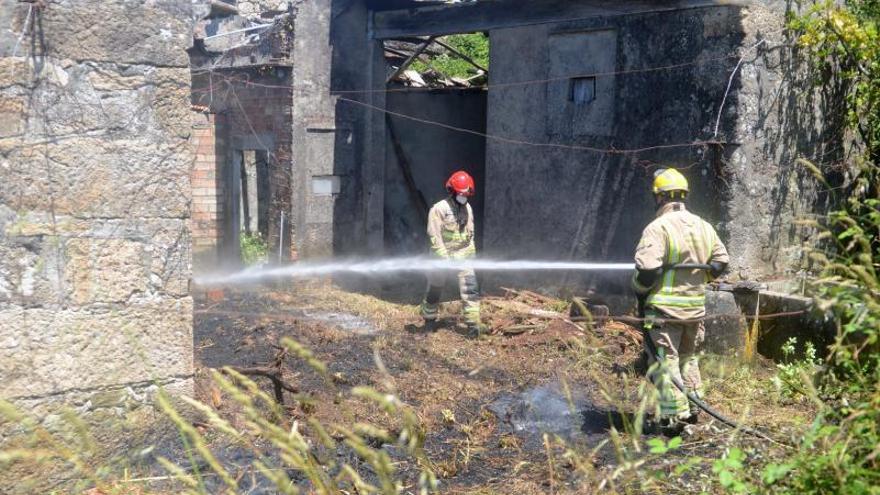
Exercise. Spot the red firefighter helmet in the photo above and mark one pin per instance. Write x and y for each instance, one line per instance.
(461, 183)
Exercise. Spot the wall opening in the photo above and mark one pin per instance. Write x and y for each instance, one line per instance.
(208, 189)
(439, 85)
(582, 90)
(254, 203)
(244, 168)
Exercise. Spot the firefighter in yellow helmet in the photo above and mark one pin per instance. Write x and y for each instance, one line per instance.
(451, 231)
(673, 300)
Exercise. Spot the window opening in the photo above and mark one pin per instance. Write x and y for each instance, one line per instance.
(582, 90)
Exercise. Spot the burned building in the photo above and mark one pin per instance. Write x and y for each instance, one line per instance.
(136, 137)
(583, 101)
(242, 86)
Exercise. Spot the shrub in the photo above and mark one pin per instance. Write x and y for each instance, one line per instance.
(840, 453)
(254, 249)
(792, 374)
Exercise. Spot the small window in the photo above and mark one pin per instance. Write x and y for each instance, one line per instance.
(582, 90)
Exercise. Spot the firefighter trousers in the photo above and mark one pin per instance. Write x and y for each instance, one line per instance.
(678, 343)
(467, 288)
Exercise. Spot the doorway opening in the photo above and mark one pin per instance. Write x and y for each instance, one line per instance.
(254, 193)
(439, 80)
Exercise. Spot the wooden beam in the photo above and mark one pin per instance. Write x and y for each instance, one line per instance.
(406, 170)
(410, 60)
(462, 55)
(396, 52)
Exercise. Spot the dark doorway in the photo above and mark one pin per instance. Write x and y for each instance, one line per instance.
(420, 157)
(250, 199)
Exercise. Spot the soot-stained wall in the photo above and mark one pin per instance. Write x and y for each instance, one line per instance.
(432, 153)
(657, 81)
(564, 200)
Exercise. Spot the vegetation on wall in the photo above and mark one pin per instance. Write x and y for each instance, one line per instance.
(841, 452)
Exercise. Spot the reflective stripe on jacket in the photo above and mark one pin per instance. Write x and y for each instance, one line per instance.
(451, 229)
(678, 236)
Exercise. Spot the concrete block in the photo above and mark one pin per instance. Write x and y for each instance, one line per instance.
(30, 271)
(83, 262)
(155, 33)
(725, 324)
(91, 177)
(787, 316)
(32, 224)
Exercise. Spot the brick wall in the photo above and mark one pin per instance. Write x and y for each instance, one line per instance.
(253, 109)
(207, 188)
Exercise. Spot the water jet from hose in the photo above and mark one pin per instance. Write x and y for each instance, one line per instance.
(382, 266)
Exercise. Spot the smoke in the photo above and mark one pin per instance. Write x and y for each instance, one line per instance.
(395, 265)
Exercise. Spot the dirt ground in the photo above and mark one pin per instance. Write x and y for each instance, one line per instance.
(530, 411)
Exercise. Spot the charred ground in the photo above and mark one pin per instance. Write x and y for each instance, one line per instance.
(527, 410)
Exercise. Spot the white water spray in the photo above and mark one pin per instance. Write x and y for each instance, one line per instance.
(395, 265)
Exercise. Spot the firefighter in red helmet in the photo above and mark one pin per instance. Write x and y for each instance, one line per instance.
(451, 231)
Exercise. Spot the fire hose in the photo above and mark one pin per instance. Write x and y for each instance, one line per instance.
(652, 349)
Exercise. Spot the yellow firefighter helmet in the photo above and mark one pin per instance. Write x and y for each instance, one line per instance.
(669, 180)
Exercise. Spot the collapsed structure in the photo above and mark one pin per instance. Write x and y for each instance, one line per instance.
(119, 153)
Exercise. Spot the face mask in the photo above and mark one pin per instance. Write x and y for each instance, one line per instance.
(461, 199)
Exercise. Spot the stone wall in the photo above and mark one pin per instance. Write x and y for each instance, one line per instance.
(95, 158)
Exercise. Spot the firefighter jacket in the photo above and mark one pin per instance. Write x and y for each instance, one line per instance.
(451, 229)
(678, 236)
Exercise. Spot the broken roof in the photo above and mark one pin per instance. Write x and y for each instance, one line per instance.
(236, 41)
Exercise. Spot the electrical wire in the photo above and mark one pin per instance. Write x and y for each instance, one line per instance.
(696, 143)
(611, 150)
(494, 137)
(490, 86)
(729, 85)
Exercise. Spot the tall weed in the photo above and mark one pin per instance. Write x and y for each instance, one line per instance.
(839, 454)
